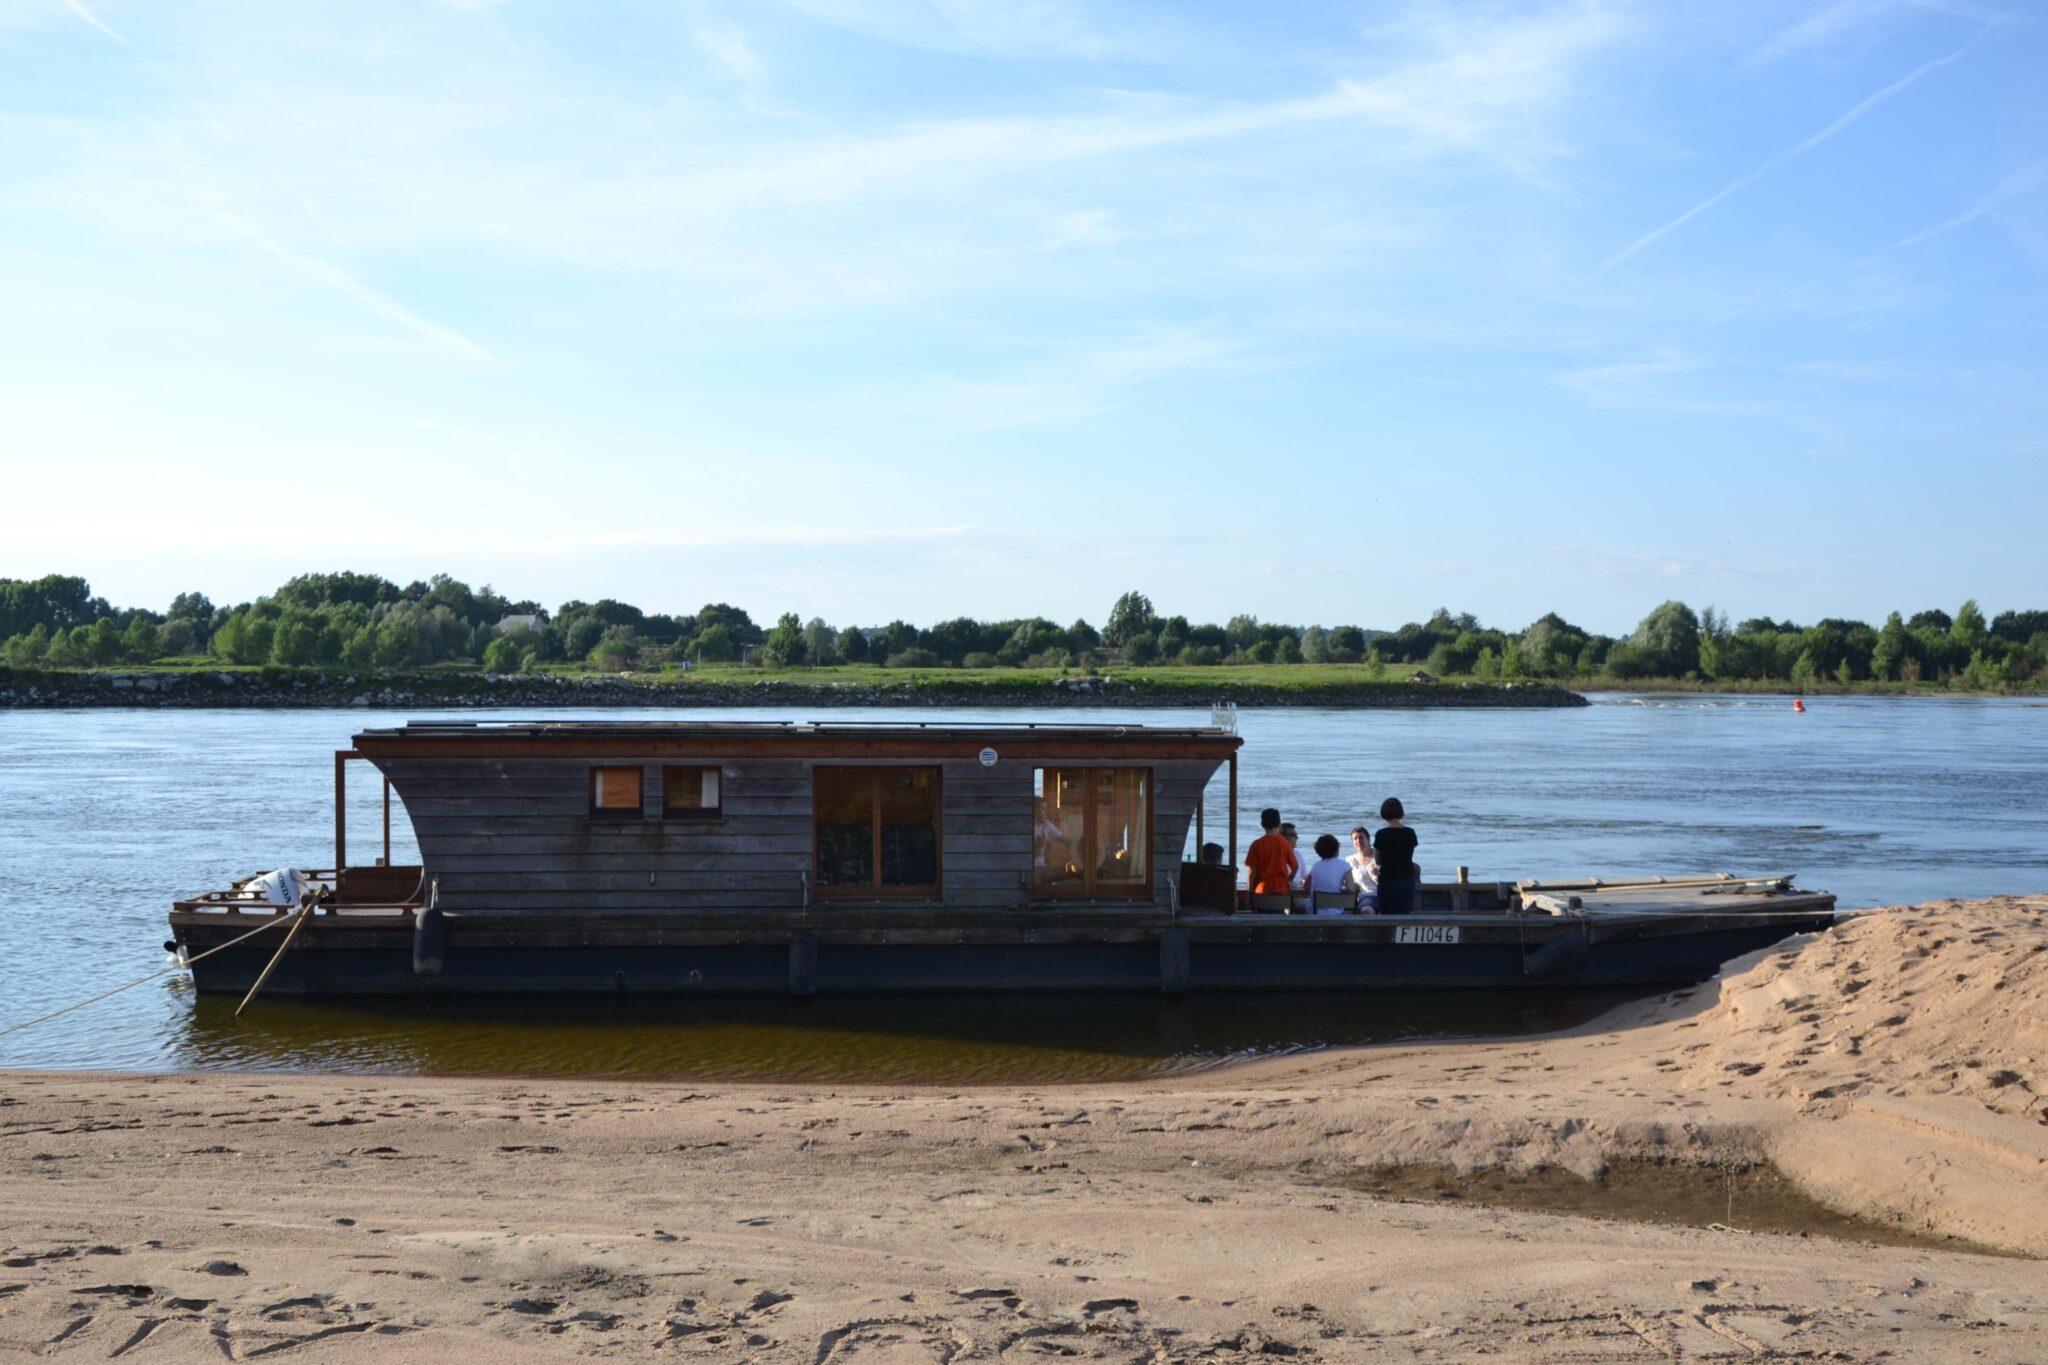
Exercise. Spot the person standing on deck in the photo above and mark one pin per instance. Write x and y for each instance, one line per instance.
(1394, 850)
(1270, 862)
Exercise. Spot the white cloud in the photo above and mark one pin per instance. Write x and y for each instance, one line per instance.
(727, 45)
(1010, 28)
(1073, 386)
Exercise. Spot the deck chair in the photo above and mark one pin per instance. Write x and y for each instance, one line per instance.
(1271, 905)
(1335, 900)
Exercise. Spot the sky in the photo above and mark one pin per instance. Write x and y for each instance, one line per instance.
(1322, 312)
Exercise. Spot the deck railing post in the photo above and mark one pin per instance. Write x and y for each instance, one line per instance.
(385, 861)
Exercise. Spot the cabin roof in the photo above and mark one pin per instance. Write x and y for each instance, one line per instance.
(611, 738)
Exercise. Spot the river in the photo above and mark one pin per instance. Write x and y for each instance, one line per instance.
(106, 815)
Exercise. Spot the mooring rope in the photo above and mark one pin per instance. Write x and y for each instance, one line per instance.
(140, 980)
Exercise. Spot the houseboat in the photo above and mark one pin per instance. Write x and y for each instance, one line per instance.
(813, 858)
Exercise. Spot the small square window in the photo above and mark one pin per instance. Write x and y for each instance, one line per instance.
(615, 793)
(690, 793)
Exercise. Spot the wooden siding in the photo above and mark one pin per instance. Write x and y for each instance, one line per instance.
(515, 835)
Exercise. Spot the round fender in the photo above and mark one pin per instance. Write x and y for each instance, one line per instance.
(1555, 956)
(429, 941)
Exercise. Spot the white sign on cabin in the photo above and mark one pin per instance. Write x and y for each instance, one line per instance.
(1426, 933)
(988, 758)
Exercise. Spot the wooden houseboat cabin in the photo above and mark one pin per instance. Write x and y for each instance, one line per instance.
(752, 857)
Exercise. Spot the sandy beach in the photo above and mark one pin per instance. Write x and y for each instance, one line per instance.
(1890, 1069)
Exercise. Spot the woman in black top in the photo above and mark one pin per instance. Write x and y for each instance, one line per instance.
(1394, 848)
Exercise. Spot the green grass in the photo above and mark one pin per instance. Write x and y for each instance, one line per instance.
(1261, 675)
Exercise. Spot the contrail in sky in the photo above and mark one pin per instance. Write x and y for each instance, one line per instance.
(1781, 158)
(320, 272)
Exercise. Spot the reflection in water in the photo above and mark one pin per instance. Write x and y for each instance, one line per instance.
(938, 1039)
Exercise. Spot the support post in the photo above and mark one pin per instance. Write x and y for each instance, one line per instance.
(385, 861)
(1199, 836)
(1461, 898)
(1233, 810)
(340, 809)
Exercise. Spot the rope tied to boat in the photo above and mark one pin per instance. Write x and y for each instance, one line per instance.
(179, 966)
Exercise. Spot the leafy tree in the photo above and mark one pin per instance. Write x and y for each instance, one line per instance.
(196, 606)
(315, 590)
(821, 643)
(1141, 649)
(2019, 627)
(1805, 672)
(1890, 652)
(1668, 641)
(581, 634)
(980, 658)
(1968, 631)
(28, 649)
(1347, 645)
(715, 645)
(737, 623)
(1932, 619)
(503, 655)
(398, 643)
(58, 601)
(784, 647)
(179, 635)
(139, 641)
(1375, 666)
(1082, 637)
(853, 645)
(913, 657)
(1131, 616)
(296, 640)
(617, 649)
(1287, 650)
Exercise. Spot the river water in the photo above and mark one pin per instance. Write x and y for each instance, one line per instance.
(106, 816)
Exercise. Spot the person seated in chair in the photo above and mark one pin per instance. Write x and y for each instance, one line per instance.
(1330, 888)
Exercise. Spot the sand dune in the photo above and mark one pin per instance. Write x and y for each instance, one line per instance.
(1891, 1067)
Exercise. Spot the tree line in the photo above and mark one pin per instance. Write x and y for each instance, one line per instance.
(351, 620)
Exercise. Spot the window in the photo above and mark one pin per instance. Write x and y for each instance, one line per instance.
(876, 830)
(689, 793)
(1091, 832)
(615, 793)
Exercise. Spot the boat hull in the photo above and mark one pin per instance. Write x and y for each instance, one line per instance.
(475, 954)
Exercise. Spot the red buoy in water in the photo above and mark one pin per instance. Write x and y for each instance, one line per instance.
(1799, 704)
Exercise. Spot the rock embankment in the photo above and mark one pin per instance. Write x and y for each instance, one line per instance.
(313, 688)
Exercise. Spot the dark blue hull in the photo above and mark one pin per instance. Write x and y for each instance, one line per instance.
(484, 955)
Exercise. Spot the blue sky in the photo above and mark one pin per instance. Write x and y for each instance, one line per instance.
(1322, 312)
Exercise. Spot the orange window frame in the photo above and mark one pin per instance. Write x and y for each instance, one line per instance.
(880, 890)
(1089, 888)
(635, 811)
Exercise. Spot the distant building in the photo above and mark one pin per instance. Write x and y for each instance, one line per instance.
(529, 621)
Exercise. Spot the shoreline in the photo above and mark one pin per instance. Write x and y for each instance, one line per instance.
(1887, 1068)
(315, 689)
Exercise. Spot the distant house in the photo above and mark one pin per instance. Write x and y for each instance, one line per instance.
(529, 621)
